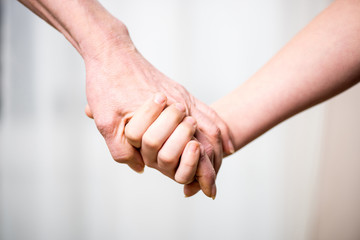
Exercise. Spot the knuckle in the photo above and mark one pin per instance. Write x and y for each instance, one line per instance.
(149, 160)
(120, 153)
(105, 125)
(164, 160)
(151, 142)
(122, 157)
(189, 125)
(132, 135)
(214, 132)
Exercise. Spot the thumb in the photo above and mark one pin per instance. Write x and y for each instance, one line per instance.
(205, 175)
(88, 111)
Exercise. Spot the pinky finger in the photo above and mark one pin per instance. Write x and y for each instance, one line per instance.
(188, 163)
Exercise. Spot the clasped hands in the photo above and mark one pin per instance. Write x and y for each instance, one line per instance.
(165, 140)
(164, 137)
(148, 119)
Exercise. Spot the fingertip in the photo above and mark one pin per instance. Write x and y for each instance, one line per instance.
(135, 162)
(138, 168)
(207, 189)
(227, 140)
(182, 180)
(160, 98)
(231, 148)
(189, 162)
(191, 120)
(88, 111)
(206, 175)
(134, 138)
(213, 192)
(194, 146)
(191, 189)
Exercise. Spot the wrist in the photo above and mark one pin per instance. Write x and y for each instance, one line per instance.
(87, 25)
(233, 107)
(221, 107)
(104, 38)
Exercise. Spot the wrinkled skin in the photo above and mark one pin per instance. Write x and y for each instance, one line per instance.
(118, 81)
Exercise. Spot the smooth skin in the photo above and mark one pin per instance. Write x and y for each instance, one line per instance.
(166, 141)
(322, 61)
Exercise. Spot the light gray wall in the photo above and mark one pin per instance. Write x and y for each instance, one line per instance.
(58, 180)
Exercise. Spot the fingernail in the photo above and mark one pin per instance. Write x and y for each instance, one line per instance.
(194, 147)
(180, 107)
(213, 192)
(231, 147)
(191, 120)
(159, 98)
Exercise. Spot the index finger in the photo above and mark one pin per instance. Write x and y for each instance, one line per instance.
(143, 118)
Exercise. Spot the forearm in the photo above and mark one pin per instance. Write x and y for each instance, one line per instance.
(85, 23)
(320, 62)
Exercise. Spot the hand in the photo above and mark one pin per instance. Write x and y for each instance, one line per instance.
(119, 80)
(164, 139)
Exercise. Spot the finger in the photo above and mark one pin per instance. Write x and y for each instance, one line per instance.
(159, 131)
(170, 152)
(136, 163)
(212, 146)
(188, 164)
(209, 135)
(226, 137)
(123, 152)
(143, 118)
(88, 111)
(206, 175)
(192, 188)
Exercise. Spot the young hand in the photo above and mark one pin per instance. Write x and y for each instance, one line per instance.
(166, 141)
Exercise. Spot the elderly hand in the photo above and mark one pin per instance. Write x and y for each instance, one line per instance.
(119, 80)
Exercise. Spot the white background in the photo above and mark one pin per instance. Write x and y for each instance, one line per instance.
(58, 181)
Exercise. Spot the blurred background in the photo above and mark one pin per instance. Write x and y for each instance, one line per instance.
(299, 181)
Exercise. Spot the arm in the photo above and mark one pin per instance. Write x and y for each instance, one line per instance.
(119, 80)
(84, 23)
(320, 62)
